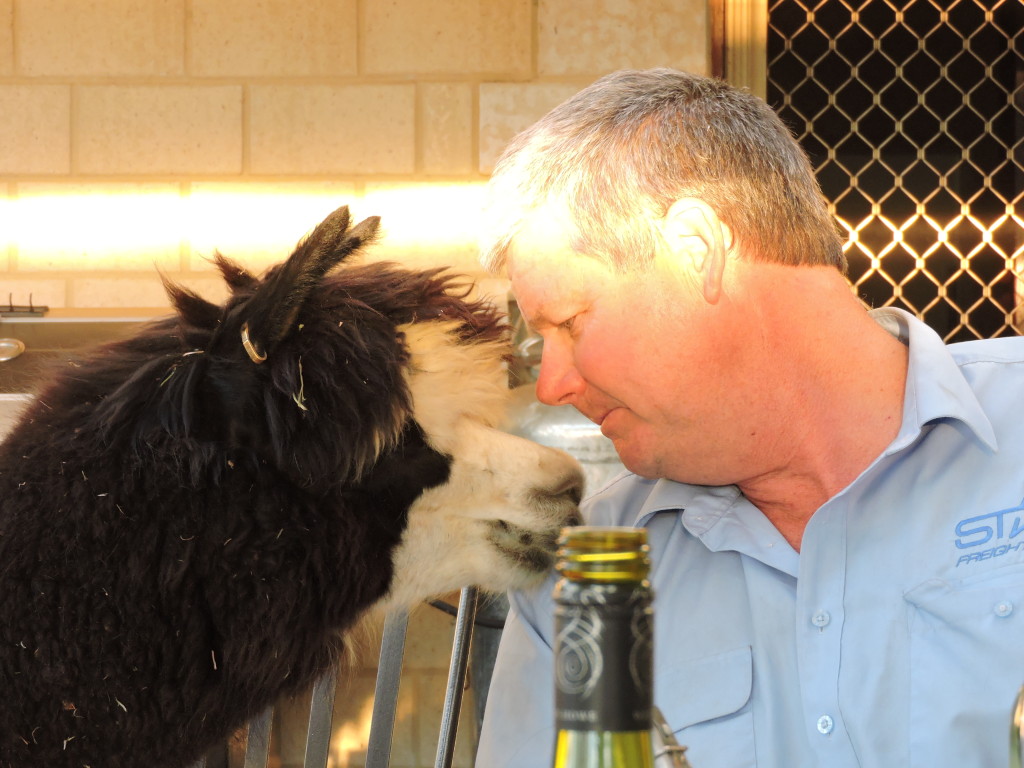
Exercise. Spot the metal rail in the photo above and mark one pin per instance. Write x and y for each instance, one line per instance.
(250, 746)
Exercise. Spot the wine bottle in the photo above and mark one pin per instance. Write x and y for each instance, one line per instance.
(603, 649)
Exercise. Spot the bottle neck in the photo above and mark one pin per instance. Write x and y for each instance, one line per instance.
(603, 656)
(603, 650)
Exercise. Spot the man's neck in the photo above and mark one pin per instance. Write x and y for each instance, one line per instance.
(840, 380)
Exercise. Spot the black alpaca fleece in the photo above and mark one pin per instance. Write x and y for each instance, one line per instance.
(186, 529)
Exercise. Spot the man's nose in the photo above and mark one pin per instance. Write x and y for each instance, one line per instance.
(558, 382)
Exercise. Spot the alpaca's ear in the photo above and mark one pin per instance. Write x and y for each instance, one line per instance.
(272, 311)
(193, 309)
(235, 275)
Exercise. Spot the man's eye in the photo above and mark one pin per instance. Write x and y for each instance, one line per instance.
(569, 324)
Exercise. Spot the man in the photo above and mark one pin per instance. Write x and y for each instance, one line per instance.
(834, 498)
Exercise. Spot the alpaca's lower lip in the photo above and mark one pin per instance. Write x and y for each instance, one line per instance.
(532, 558)
(528, 549)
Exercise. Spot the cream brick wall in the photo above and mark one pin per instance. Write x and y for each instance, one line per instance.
(113, 38)
(273, 38)
(613, 34)
(335, 130)
(6, 37)
(448, 37)
(35, 123)
(157, 129)
(146, 133)
(138, 135)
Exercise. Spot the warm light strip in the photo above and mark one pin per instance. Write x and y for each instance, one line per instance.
(115, 226)
(106, 231)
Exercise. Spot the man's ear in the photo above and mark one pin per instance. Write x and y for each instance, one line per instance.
(694, 233)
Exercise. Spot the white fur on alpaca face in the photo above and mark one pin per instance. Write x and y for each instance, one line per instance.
(495, 522)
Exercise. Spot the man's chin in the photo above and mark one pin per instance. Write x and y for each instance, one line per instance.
(636, 460)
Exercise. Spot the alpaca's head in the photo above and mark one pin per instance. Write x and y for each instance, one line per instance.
(387, 383)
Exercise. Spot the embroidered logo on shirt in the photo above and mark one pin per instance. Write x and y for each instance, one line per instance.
(1004, 528)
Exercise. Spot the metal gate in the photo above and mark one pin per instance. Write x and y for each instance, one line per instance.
(912, 114)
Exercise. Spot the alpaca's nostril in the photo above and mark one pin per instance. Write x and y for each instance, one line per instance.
(575, 493)
(571, 486)
(566, 491)
(562, 496)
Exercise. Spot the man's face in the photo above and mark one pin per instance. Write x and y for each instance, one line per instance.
(634, 352)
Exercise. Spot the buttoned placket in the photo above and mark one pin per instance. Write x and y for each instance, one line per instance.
(819, 618)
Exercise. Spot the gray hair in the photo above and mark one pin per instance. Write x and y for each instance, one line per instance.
(622, 150)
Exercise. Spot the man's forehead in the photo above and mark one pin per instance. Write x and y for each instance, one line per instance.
(537, 284)
(549, 225)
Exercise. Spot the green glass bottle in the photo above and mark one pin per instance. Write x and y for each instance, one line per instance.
(603, 649)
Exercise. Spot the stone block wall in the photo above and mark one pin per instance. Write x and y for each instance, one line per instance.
(143, 134)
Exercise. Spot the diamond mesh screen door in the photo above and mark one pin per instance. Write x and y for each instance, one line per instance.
(912, 112)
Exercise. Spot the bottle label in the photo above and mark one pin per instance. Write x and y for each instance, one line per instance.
(603, 659)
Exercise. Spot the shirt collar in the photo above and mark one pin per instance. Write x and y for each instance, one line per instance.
(714, 501)
(936, 389)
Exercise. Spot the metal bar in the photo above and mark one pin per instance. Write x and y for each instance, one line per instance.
(385, 697)
(321, 712)
(1017, 732)
(456, 678)
(257, 742)
(667, 752)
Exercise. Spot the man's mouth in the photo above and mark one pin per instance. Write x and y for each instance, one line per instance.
(604, 417)
(599, 420)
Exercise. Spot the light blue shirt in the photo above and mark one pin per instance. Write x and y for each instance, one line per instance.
(894, 639)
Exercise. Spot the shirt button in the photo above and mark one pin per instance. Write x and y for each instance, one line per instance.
(1004, 608)
(821, 618)
(825, 725)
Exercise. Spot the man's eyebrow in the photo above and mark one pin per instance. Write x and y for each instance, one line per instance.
(538, 321)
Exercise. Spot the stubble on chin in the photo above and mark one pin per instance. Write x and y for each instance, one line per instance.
(644, 463)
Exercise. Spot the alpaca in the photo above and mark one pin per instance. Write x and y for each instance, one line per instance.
(191, 519)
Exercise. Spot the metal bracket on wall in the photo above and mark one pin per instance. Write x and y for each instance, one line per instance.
(10, 309)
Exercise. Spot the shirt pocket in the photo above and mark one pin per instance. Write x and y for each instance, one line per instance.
(706, 702)
(966, 666)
